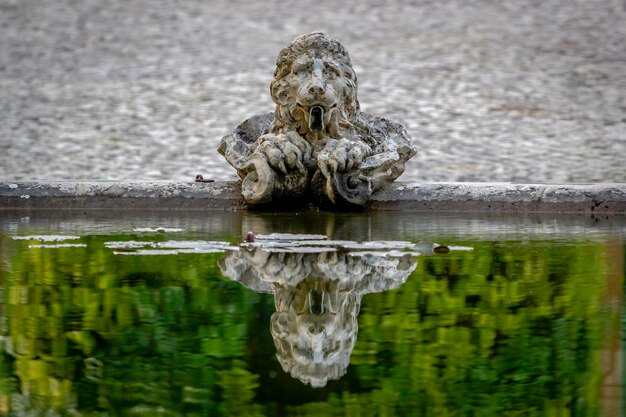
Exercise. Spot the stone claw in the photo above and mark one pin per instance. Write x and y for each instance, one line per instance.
(339, 162)
(356, 155)
(300, 167)
(285, 153)
(341, 156)
(293, 155)
(333, 163)
(330, 190)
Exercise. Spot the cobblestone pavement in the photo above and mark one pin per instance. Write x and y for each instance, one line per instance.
(527, 91)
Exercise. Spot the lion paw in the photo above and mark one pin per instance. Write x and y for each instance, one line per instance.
(285, 153)
(341, 156)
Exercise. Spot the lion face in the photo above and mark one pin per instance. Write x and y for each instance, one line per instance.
(314, 89)
(314, 328)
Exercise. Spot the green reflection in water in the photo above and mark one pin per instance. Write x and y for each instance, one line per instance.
(507, 329)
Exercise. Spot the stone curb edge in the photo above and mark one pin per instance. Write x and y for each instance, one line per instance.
(589, 199)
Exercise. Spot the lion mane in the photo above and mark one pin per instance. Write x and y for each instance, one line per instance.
(350, 123)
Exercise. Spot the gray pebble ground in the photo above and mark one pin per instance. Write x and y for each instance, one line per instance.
(526, 91)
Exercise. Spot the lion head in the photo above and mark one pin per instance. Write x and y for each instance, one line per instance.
(314, 328)
(315, 90)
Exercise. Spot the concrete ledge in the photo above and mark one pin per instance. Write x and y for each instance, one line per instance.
(132, 195)
(591, 199)
(503, 198)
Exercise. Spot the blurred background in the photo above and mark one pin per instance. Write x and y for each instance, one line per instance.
(525, 91)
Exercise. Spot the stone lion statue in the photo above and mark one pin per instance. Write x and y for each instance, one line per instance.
(317, 142)
(317, 298)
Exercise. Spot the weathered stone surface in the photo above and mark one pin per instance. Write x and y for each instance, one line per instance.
(439, 197)
(317, 142)
(502, 197)
(159, 195)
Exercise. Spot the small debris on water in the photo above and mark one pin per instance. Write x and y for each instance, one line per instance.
(456, 248)
(309, 243)
(147, 252)
(383, 254)
(144, 252)
(128, 244)
(46, 238)
(58, 245)
(157, 230)
(441, 249)
(122, 250)
(170, 247)
(200, 178)
(194, 244)
(379, 245)
(300, 249)
(290, 236)
(13, 186)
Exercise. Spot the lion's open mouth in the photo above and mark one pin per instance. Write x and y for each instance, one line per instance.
(317, 116)
(316, 119)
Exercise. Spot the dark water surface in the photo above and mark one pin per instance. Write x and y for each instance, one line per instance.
(382, 314)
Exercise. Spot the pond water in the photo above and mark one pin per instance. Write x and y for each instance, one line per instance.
(381, 314)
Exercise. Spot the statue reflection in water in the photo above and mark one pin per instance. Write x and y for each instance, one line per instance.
(317, 292)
